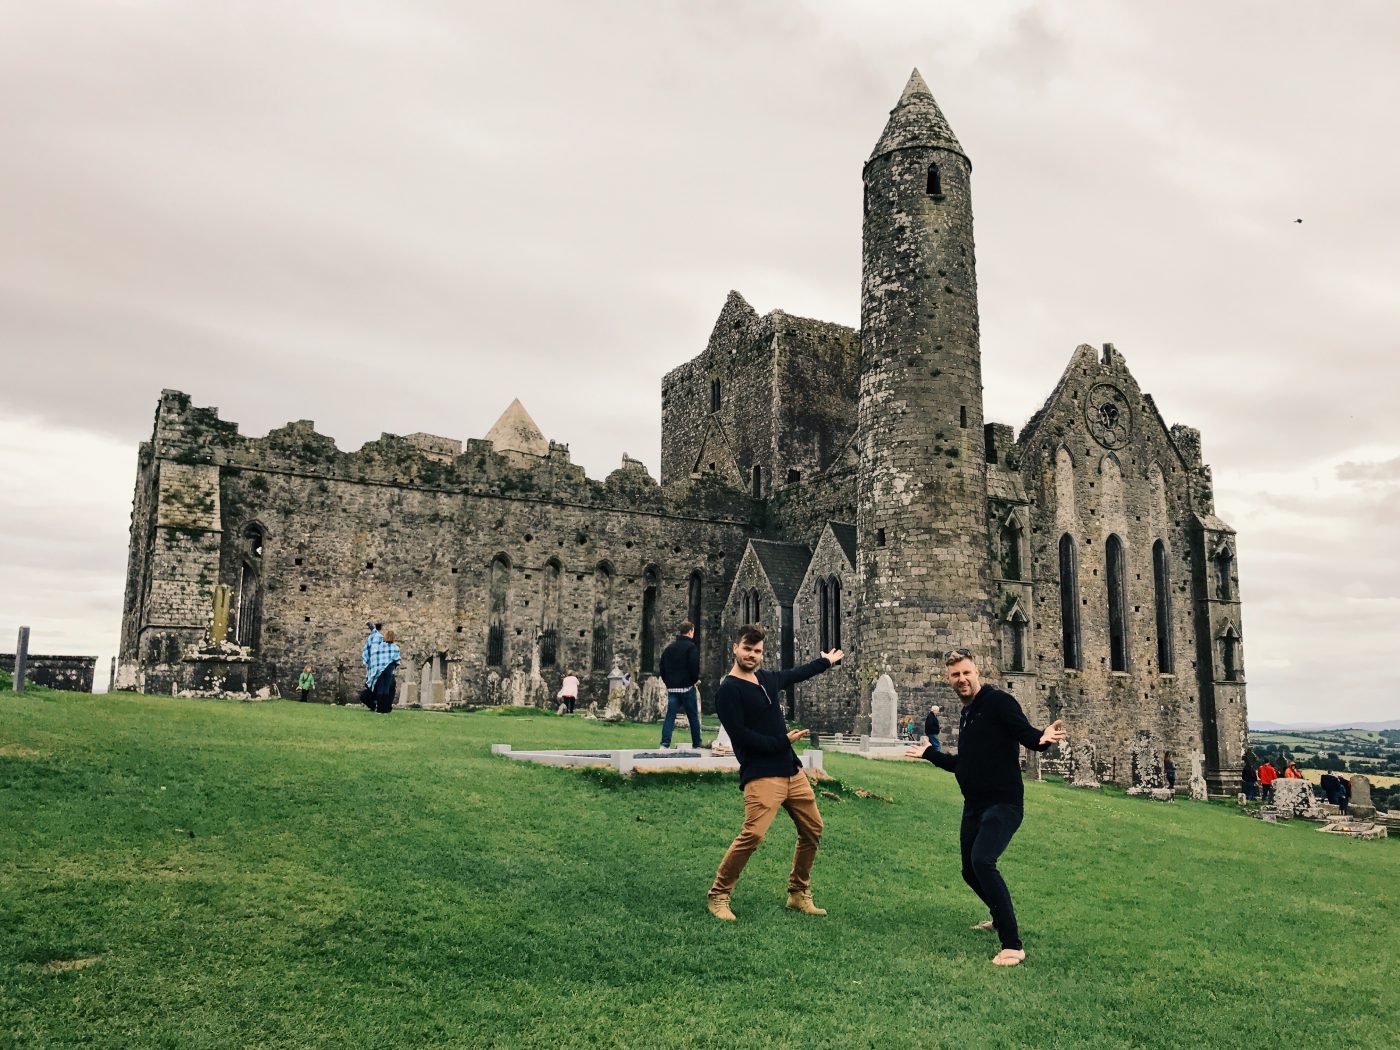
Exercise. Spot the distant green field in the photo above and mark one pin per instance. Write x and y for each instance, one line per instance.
(182, 874)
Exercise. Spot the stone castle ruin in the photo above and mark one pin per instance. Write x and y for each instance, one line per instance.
(842, 487)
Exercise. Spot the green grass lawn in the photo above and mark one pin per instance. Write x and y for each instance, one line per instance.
(185, 874)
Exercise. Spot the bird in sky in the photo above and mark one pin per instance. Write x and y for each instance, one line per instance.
(1297, 220)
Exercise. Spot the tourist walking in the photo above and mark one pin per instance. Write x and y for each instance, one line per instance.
(1169, 771)
(931, 726)
(988, 769)
(1267, 775)
(305, 683)
(568, 691)
(680, 670)
(770, 773)
(1249, 780)
(380, 656)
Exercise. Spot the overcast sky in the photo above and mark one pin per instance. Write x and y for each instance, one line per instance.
(399, 215)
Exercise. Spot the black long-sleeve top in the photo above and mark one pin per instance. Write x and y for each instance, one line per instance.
(753, 717)
(680, 663)
(931, 725)
(988, 763)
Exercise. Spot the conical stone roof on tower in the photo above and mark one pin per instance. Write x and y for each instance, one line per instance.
(916, 121)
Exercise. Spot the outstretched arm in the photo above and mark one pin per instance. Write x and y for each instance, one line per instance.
(784, 679)
(941, 759)
(1014, 721)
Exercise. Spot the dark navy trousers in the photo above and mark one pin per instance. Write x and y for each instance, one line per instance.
(984, 836)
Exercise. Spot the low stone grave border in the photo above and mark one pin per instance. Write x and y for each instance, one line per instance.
(639, 760)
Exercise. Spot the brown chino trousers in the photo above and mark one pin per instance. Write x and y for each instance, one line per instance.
(762, 799)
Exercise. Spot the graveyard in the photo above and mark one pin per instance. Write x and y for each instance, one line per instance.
(197, 873)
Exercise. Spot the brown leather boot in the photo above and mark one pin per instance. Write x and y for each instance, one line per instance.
(719, 907)
(803, 902)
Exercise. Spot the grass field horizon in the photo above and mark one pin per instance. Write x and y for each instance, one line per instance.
(194, 873)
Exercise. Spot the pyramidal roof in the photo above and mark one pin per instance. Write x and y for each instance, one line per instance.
(515, 431)
(916, 121)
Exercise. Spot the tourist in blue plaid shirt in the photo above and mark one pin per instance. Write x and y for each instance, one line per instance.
(380, 656)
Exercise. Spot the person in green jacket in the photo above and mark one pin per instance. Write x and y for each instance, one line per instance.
(306, 682)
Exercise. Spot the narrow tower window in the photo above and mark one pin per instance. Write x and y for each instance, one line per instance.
(962, 417)
(1011, 549)
(1230, 654)
(1015, 641)
(1162, 581)
(934, 187)
(1117, 605)
(1069, 601)
(1223, 573)
(757, 481)
(716, 395)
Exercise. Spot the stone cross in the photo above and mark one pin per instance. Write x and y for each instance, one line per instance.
(1198, 776)
(218, 624)
(22, 664)
(884, 709)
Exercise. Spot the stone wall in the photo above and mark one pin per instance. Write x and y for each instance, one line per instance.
(73, 673)
(313, 542)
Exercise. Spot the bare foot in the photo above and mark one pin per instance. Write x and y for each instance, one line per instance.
(986, 925)
(1009, 957)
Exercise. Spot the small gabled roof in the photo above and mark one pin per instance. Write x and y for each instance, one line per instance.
(846, 536)
(785, 564)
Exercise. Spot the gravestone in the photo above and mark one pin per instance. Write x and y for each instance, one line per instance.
(1081, 762)
(1198, 777)
(1147, 775)
(1361, 804)
(884, 709)
(617, 695)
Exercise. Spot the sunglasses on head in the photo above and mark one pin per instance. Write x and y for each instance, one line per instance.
(957, 652)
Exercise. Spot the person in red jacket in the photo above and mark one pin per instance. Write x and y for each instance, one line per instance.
(1267, 775)
(1291, 772)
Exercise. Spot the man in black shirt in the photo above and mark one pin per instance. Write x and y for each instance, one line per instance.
(680, 670)
(988, 769)
(770, 773)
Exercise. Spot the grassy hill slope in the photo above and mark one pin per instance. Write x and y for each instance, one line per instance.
(210, 874)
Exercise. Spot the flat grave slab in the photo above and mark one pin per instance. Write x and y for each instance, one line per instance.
(639, 760)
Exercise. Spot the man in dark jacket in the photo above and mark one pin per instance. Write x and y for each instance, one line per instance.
(988, 769)
(680, 670)
(770, 773)
(931, 727)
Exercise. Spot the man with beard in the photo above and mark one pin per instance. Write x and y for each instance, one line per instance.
(770, 773)
(991, 731)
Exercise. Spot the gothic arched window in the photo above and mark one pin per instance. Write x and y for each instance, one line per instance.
(1069, 602)
(1117, 605)
(549, 614)
(833, 591)
(695, 601)
(649, 632)
(1161, 581)
(1016, 629)
(823, 617)
(602, 616)
(1230, 654)
(500, 601)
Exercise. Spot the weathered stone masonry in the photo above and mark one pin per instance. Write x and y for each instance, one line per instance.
(842, 487)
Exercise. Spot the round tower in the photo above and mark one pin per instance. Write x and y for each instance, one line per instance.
(921, 500)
